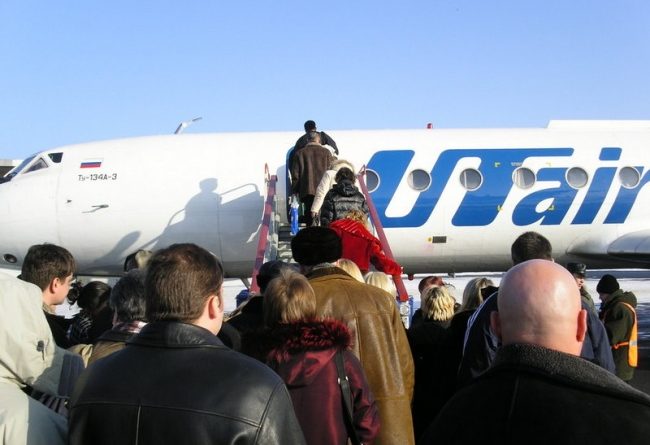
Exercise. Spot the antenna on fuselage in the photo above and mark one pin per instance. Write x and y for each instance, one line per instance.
(183, 125)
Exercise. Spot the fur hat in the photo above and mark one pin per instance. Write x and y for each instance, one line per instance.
(315, 245)
(607, 285)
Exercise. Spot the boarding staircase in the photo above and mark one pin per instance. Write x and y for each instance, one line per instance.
(274, 242)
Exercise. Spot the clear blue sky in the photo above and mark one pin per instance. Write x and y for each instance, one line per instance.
(78, 71)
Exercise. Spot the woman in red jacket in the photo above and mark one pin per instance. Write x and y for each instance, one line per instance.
(361, 246)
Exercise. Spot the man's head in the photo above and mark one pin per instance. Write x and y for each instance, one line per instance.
(607, 286)
(539, 304)
(316, 245)
(127, 297)
(531, 246)
(313, 137)
(310, 126)
(579, 272)
(51, 268)
(183, 283)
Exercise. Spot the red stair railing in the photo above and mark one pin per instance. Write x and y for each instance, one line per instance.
(376, 222)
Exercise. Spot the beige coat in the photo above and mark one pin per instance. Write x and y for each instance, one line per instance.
(28, 356)
(380, 343)
(327, 181)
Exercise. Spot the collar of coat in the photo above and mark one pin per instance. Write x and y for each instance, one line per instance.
(282, 341)
(324, 271)
(567, 368)
(174, 334)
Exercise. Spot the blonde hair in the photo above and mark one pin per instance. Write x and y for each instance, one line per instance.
(357, 215)
(382, 281)
(351, 268)
(289, 298)
(438, 304)
(472, 297)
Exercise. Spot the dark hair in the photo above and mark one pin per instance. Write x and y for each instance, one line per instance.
(343, 174)
(430, 281)
(127, 297)
(310, 126)
(531, 246)
(268, 271)
(45, 262)
(94, 296)
(179, 280)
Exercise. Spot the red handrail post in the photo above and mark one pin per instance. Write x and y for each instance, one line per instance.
(262, 242)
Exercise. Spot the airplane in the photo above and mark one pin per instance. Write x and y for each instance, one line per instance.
(450, 200)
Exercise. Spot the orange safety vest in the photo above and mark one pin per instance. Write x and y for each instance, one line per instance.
(633, 350)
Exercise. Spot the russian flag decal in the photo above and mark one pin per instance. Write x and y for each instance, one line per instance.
(91, 163)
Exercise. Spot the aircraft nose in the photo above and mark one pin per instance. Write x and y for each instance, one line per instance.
(14, 224)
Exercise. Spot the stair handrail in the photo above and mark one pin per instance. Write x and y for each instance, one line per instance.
(263, 241)
(402, 294)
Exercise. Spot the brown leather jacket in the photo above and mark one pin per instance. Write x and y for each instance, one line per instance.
(379, 341)
(307, 168)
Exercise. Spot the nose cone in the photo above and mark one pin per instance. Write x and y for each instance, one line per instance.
(27, 216)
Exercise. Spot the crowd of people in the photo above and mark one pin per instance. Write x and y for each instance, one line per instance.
(320, 355)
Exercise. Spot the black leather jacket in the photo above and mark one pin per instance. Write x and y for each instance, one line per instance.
(176, 383)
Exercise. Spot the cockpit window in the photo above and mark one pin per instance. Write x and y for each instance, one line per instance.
(55, 157)
(18, 169)
(38, 165)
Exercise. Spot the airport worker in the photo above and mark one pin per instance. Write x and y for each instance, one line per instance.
(344, 197)
(361, 246)
(175, 381)
(378, 335)
(428, 342)
(481, 342)
(128, 304)
(618, 313)
(538, 390)
(29, 357)
(327, 181)
(51, 268)
(304, 350)
(579, 272)
(307, 169)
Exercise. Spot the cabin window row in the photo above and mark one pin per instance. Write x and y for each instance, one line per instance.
(523, 177)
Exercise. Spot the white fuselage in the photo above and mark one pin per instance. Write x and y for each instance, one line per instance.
(104, 200)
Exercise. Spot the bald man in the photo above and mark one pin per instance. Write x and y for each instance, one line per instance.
(538, 389)
(481, 343)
